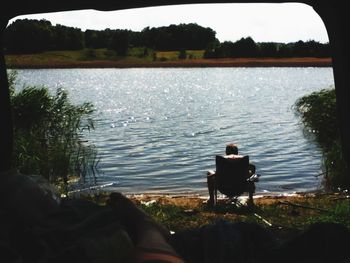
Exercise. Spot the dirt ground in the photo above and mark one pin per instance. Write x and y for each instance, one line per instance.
(224, 62)
(197, 201)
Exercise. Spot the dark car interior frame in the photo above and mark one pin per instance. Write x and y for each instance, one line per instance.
(335, 15)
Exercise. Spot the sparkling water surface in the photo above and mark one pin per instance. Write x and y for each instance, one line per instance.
(158, 130)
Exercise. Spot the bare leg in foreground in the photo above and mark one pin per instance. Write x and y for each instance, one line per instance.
(149, 237)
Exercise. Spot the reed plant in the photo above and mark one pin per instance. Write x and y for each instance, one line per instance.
(48, 137)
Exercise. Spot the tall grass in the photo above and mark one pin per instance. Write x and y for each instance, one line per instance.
(48, 134)
(318, 114)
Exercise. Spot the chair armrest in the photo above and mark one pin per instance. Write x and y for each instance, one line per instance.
(210, 173)
(254, 178)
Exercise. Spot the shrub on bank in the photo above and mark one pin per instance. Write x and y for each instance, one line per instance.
(318, 114)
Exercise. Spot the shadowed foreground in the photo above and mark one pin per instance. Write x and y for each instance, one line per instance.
(39, 227)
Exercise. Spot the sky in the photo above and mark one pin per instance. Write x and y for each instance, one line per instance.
(284, 22)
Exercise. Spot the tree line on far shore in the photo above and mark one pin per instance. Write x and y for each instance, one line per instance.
(25, 36)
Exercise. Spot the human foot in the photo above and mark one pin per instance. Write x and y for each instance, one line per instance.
(135, 220)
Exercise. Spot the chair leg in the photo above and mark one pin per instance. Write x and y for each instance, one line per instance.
(216, 195)
(212, 189)
(251, 191)
(251, 197)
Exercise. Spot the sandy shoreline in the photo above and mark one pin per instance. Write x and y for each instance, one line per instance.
(178, 199)
(259, 199)
(188, 63)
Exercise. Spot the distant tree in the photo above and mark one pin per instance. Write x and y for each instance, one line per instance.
(245, 47)
(98, 39)
(325, 50)
(227, 49)
(285, 50)
(310, 49)
(90, 38)
(300, 49)
(67, 38)
(28, 36)
(31, 36)
(76, 39)
(177, 37)
(135, 39)
(267, 49)
(120, 42)
(316, 49)
(148, 37)
(211, 50)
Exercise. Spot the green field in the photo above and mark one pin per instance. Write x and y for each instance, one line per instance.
(133, 55)
(174, 55)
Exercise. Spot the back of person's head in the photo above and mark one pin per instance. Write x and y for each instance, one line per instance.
(231, 149)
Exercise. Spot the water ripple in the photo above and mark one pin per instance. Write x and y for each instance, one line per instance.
(158, 130)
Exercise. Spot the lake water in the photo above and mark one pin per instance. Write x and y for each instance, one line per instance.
(158, 130)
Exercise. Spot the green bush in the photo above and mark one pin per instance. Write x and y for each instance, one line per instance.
(47, 134)
(318, 114)
(182, 54)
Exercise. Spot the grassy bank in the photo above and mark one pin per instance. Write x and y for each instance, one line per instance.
(136, 57)
(284, 214)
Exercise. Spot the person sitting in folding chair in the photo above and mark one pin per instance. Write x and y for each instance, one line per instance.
(233, 176)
